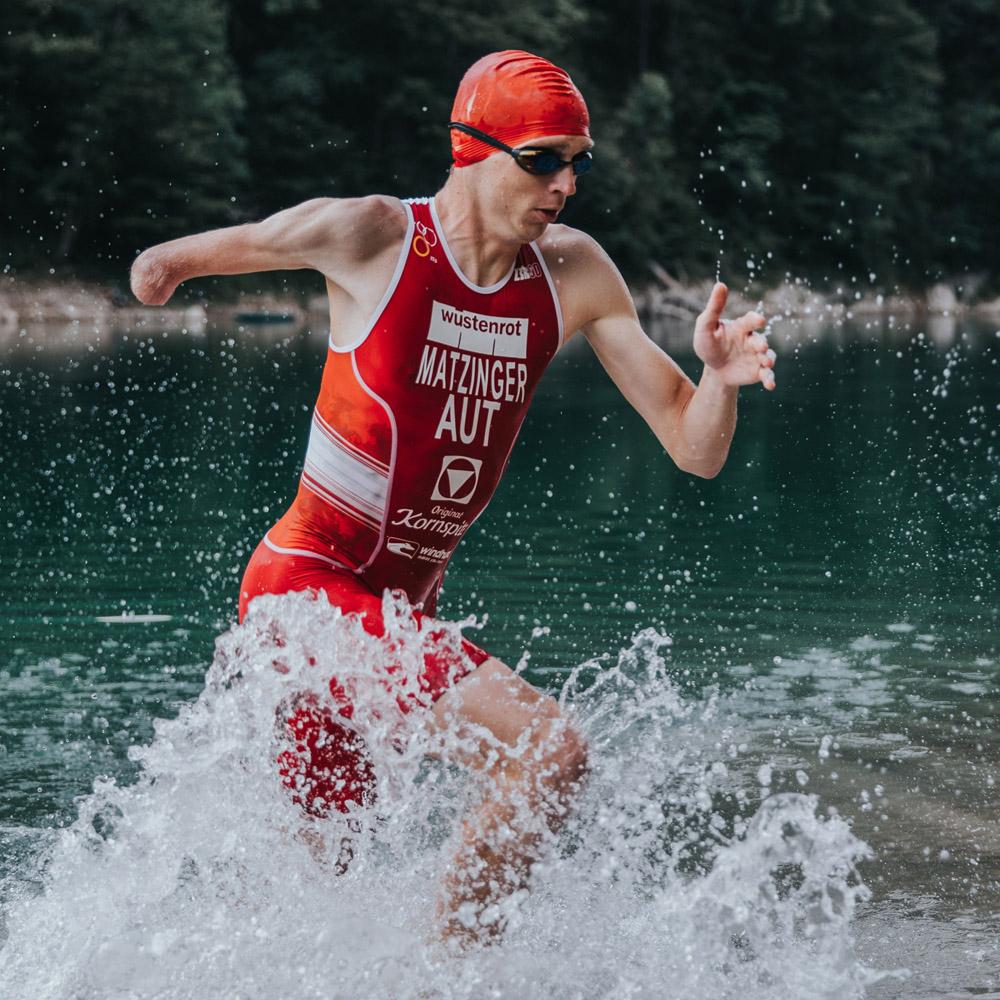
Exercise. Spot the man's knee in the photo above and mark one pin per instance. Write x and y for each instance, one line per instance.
(557, 756)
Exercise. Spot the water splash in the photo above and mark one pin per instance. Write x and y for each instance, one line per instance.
(203, 878)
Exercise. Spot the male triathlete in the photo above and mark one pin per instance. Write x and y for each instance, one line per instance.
(444, 312)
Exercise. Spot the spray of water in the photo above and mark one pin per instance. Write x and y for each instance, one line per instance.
(205, 879)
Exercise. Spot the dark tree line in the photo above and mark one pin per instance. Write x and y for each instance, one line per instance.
(844, 141)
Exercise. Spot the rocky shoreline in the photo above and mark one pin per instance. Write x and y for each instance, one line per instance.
(24, 302)
(799, 300)
(96, 308)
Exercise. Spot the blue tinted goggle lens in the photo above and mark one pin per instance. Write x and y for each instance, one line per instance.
(543, 161)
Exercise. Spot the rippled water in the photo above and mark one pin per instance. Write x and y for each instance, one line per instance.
(830, 682)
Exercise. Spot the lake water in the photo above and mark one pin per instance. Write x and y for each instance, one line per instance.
(820, 620)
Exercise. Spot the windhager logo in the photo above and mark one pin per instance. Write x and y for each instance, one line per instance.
(501, 336)
(457, 479)
(402, 547)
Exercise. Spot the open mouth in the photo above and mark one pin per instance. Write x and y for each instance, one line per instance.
(549, 214)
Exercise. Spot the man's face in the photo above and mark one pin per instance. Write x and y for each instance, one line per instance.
(530, 202)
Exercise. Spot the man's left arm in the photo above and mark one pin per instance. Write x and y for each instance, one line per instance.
(695, 424)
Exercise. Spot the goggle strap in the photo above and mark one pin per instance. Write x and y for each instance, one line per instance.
(481, 136)
(518, 154)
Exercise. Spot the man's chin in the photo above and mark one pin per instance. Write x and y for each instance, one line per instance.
(534, 227)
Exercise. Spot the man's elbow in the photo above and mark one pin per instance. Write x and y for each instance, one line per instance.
(150, 277)
(702, 471)
(702, 462)
(695, 462)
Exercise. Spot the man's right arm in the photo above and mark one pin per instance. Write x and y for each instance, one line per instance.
(695, 424)
(327, 234)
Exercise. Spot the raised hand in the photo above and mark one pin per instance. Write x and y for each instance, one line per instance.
(733, 348)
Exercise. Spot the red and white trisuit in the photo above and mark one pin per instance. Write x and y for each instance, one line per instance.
(411, 433)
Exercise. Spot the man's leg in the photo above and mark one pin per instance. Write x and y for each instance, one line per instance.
(534, 761)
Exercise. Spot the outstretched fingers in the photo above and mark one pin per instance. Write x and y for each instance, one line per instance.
(736, 346)
(747, 324)
(711, 315)
(756, 343)
(767, 358)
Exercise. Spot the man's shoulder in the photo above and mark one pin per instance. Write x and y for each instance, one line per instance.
(380, 210)
(574, 257)
(571, 251)
(587, 280)
(368, 225)
(562, 240)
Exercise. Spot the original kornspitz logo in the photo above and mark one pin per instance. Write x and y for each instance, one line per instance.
(501, 336)
(457, 479)
(407, 517)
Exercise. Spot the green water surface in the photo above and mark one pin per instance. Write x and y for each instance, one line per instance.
(839, 577)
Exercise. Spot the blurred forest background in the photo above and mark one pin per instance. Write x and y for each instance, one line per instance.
(841, 141)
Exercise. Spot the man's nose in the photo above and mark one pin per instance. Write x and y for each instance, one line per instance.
(564, 181)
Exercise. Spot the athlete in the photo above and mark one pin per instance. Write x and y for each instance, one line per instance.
(444, 313)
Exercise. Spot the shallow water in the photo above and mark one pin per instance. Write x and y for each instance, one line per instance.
(831, 606)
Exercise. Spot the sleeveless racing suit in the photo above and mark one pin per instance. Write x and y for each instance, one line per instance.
(412, 430)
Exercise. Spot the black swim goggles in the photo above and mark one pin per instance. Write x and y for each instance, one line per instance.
(534, 159)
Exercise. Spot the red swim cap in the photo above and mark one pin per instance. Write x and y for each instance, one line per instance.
(514, 96)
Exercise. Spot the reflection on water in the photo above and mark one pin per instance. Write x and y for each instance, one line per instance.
(836, 584)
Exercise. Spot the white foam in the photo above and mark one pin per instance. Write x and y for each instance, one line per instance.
(195, 882)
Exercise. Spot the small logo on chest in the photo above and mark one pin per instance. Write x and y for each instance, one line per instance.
(424, 241)
(527, 272)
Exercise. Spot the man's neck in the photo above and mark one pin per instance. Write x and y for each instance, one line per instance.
(483, 255)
